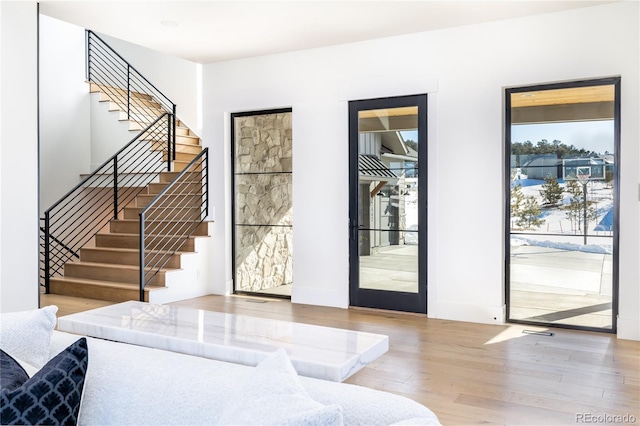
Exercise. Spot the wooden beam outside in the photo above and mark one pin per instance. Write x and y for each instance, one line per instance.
(378, 187)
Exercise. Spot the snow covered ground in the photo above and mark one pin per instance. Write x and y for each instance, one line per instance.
(556, 222)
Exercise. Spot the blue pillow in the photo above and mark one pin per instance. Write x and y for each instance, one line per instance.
(12, 375)
(51, 396)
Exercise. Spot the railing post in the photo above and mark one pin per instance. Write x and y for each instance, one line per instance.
(87, 72)
(47, 248)
(173, 121)
(128, 92)
(115, 187)
(142, 256)
(206, 181)
(170, 151)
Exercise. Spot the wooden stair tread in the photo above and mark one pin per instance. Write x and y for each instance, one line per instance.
(173, 194)
(156, 221)
(147, 236)
(102, 283)
(115, 266)
(130, 250)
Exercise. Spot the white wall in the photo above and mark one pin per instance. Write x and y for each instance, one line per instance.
(18, 157)
(464, 70)
(108, 133)
(65, 130)
(177, 78)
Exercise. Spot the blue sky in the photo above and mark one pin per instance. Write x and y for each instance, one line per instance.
(410, 135)
(591, 135)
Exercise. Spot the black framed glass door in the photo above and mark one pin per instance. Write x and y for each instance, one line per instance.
(388, 203)
(562, 187)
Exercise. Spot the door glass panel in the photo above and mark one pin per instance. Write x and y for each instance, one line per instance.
(388, 195)
(263, 216)
(562, 206)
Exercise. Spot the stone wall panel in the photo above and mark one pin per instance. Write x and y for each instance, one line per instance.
(263, 194)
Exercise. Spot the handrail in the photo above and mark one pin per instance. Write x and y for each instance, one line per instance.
(107, 68)
(82, 212)
(191, 187)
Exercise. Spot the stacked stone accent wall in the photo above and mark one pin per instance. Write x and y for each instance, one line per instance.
(263, 194)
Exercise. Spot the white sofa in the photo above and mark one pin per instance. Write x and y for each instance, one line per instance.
(133, 385)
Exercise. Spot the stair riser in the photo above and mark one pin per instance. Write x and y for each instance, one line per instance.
(182, 131)
(190, 187)
(133, 242)
(103, 273)
(134, 213)
(126, 258)
(187, 140)
(166, 177)
(170, 201)
(179, 166)
(96, 292)
(152, 228)
(181, 156)
(180, 148)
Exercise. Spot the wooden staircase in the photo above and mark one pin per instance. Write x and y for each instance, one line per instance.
(108, 267)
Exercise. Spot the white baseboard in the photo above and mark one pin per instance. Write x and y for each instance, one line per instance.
(469, 313)
(629, 328)
(320, 297)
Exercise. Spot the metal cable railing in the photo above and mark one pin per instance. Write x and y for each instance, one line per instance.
(139, 100)
(74, 219)
(172, 217)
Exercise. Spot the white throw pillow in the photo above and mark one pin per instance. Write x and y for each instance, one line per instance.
(26, 335)
(275, 396)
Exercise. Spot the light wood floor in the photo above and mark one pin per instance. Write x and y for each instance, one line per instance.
(470, 373)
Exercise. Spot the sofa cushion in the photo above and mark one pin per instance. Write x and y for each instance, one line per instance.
(26, 335)
(135, 385)
(274, 396)
(52, 395)
(368, 407)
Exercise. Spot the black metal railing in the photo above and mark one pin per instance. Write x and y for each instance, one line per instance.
(124, 85)
(172, 217)
(85, 210)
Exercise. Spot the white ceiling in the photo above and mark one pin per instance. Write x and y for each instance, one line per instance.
(213, 31)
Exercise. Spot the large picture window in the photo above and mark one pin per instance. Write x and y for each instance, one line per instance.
(562, 147)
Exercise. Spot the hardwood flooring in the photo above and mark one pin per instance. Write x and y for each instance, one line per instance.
(471, 373)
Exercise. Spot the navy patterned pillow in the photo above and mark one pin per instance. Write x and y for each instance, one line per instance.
(12, 375)
(51, 396)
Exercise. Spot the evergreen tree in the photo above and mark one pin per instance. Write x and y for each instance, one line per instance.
(529, 212)
(560, 149)
(517, 198)
(575, 206)
(551, 191)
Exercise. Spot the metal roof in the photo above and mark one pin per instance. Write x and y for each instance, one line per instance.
(371, 167)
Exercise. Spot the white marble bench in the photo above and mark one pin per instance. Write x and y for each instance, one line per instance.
(322, 352)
